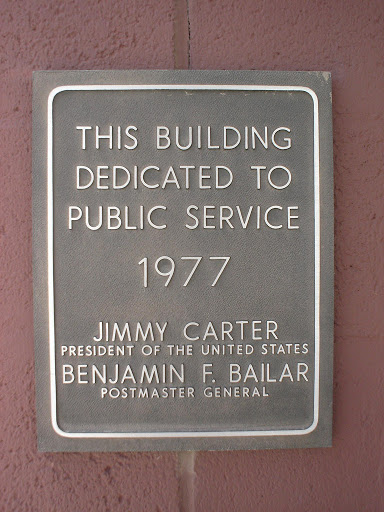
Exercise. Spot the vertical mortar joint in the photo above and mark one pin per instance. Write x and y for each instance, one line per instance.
(189, 35)
(181, 34)
(187, 478)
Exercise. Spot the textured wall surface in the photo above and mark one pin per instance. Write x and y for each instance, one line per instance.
(344, 37)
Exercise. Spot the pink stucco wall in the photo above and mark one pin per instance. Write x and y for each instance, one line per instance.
(344, 37)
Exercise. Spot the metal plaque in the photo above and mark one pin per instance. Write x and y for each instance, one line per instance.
(183, 259)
